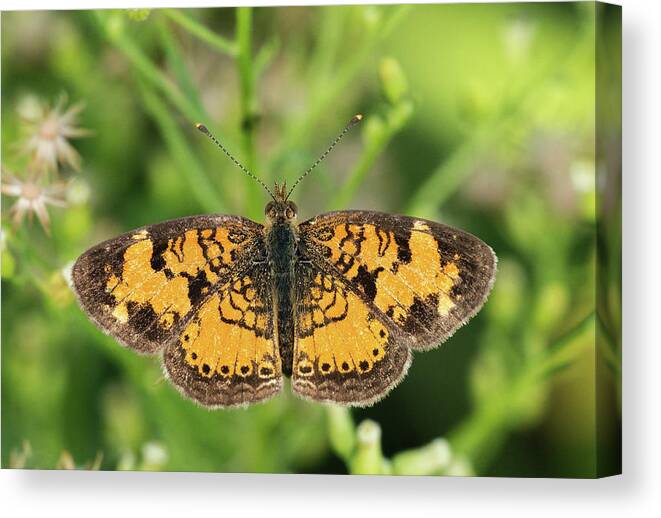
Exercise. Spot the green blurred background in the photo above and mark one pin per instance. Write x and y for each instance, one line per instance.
(479, 116)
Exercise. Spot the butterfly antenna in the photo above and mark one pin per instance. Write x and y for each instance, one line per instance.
(354, 120)
(206, 131)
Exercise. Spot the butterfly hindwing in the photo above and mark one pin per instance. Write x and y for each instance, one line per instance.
(344, 353)
(424, 279)
(226, 355)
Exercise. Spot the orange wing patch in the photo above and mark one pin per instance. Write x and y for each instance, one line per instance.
(139, 283)
(230, 336)
(164, 286)
(343, 352)
(393, 274)
(226, 355)
(337, 332)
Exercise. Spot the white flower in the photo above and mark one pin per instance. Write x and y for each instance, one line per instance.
(154, 456)
(50, 130)
(518, 36)
(33, 197)
(78, 191)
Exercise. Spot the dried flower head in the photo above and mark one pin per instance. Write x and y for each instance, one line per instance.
(33, 197)
(66, 461)
(18, 458)
(50, 129)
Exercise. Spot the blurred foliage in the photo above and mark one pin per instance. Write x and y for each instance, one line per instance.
(480, 116)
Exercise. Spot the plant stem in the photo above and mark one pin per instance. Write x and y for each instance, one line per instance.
(265, 56)
(396, 119)
(300, 131)
(201, 32)
(492, 419)
(341, 432)
(187, 161)
(446, 179)
(148, 70)
(321, 62)
(566, 348)
(178, 65)
(201, 185)
(248, 104)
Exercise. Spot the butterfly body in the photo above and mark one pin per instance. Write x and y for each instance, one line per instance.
(282, 248)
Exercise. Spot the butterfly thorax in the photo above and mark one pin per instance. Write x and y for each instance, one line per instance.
(282, 244)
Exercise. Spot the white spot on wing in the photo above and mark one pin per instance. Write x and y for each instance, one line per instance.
(420, 225)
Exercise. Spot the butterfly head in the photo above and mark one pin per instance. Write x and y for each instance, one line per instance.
(280, 209)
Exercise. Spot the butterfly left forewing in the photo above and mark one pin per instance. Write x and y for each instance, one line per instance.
(142, 286)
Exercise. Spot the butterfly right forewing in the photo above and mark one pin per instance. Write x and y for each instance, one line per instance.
(424, 278)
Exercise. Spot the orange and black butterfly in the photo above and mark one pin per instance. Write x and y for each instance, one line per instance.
(338, 303)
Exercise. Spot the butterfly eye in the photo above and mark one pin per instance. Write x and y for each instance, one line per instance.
(290, 211)
(270, 210)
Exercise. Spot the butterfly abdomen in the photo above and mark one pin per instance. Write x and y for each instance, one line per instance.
(281, 245)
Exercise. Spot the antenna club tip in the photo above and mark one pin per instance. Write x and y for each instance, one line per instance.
(356, 118)
(202, 128)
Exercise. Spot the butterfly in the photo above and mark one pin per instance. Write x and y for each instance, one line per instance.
(338, 303)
